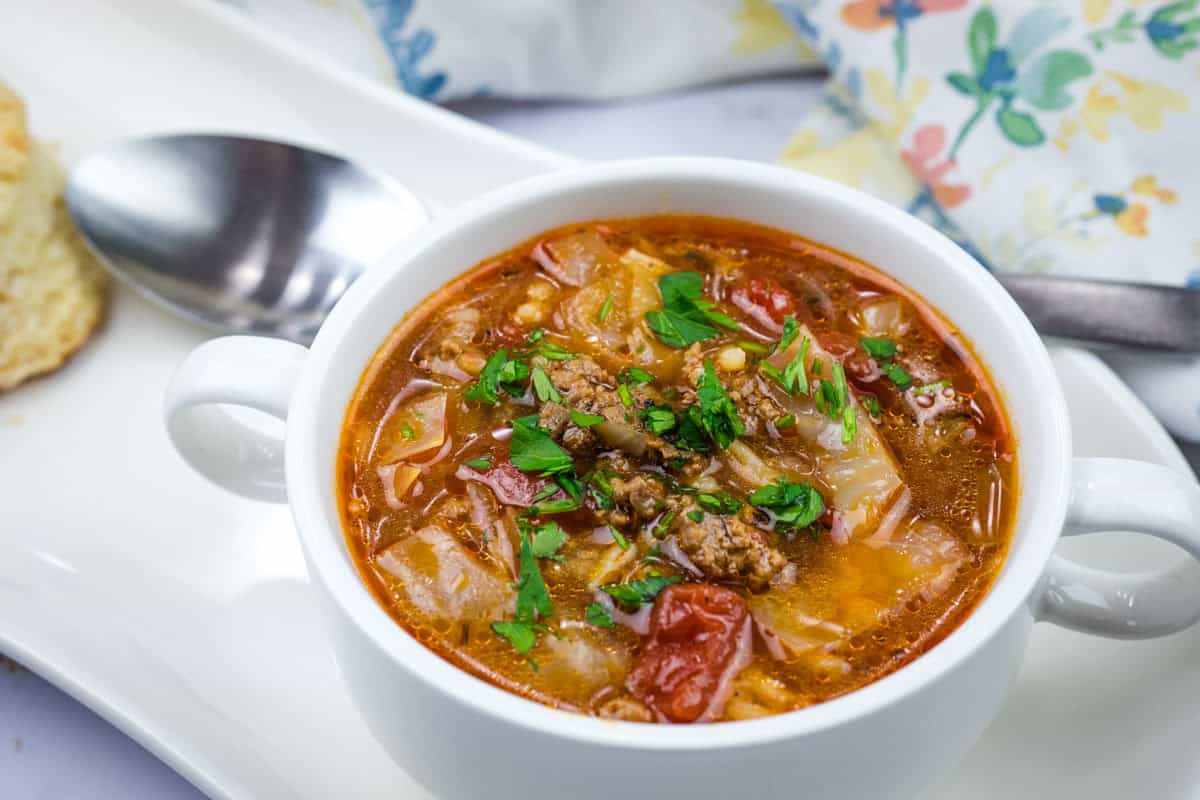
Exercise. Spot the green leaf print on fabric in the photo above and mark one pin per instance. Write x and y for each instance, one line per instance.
(1168, 30)
(1043, 84)
(1020, 128)
(981, 38)
(1000, 75)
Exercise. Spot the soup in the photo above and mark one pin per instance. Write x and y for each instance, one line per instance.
(676, 469)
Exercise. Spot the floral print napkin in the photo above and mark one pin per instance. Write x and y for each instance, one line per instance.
(1044, 137)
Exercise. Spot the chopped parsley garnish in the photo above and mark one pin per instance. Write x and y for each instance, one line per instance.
(543, 387)
(570, 484)
(599, 616)
(635, 376)
(621, 541)
(600, 489)
(754, 347)
(878, 346)
(884, 350)
(513, 375)
(535, 336)
(560, 506)
(481, 464)
(547, 538)
(791, 329)
(554, 352)
(793, 377)
(663, 526)
(785, 422)
(487, 388)
(695, 515)
(817, 368)
(532, 450)
(686, 318)
(718, 415)
(605, 309)
(546, 492)
(626, 397)
(849, 424)
(407, 432)
(533, 598)
(719, 502)
(521, 635)
(533, 602)
(897, 374)
(659, 419)
(585, 420)
(930, 388)
(634, 593)
(871, 404)
(688, 433)
(795, 505)
(840, 388)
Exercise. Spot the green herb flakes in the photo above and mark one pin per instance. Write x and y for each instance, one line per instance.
(659, 419)
(599, 616)
(487, 388)
(635, 376)
(585, 420)
(878, 346)
(686, 318)
(543, 387)
(621, 541)
(719, 502)
(532, 450)
(547, 538)
(636, 592)
(931, 388)
(520, 635)
(718, 415)
(605, 310)
(791, 329)
(795, 505)
(481, 464)
(898, 375)
(626, 397)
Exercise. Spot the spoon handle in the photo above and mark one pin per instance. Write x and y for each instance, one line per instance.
(1139, 315)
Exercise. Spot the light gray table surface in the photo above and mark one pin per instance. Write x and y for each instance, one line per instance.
(53, 748)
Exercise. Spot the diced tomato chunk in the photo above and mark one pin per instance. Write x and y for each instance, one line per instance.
(698, 634)
(765, 300)
(512, 487)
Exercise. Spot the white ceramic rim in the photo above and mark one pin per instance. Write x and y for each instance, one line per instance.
(311, 489)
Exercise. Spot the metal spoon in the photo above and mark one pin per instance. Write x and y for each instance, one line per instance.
(236, 233)
(250, 235)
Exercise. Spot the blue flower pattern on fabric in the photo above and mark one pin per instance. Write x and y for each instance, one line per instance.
(406, 49)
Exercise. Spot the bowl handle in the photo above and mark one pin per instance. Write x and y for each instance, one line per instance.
(1114, 494)
(248, 371)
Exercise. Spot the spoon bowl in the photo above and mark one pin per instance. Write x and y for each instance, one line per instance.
(236, 233)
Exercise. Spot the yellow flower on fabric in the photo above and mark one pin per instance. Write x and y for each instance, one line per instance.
(1129, 217)
(893, 112)
(763, 28)
(1147, 185)
(1095, 10)
(1133, 219)
(1146, 103)
(1097, 108)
